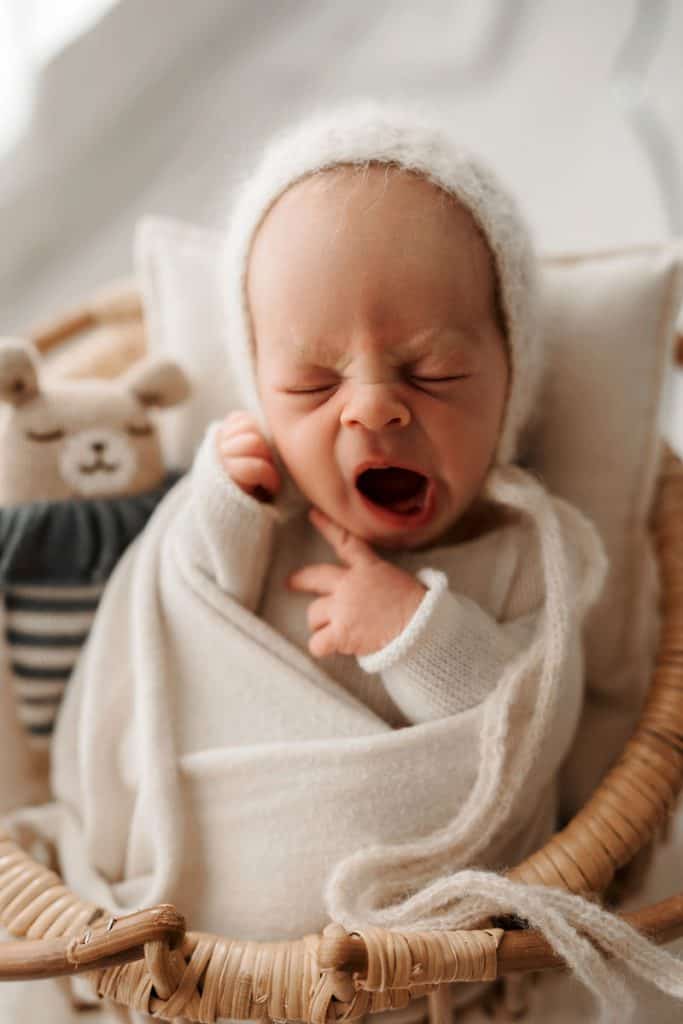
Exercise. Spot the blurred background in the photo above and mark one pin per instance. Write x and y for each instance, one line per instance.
(111, 109)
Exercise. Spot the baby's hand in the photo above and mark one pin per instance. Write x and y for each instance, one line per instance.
(245, 456)
(366, 603)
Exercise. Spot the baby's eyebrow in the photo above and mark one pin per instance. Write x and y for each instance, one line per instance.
(437, 341)
(431, 341)
(313, 352)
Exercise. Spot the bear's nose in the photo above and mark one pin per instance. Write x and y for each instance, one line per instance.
(98, 446)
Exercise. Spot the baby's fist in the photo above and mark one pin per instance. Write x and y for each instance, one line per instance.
(245, 456)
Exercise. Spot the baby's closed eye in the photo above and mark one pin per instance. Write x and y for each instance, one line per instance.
(314, 390)
(440, 380)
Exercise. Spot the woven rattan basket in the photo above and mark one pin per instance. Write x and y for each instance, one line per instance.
(148, 961)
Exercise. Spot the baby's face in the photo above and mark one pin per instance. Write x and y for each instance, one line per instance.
(372, 297)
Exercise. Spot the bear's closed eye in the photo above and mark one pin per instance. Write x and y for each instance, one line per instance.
(49, 435)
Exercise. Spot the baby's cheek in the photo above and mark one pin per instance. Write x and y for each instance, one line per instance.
(308, 444)
(300, 443)
(307, 462)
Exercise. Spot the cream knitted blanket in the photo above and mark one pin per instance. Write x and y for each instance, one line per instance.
(303, 770)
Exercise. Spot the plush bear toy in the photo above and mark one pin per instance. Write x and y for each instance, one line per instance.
(81, 471)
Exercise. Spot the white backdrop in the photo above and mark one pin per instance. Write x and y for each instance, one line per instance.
(161, 106)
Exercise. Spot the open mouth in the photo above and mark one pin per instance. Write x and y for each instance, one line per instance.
(400, 491)
(99, 466)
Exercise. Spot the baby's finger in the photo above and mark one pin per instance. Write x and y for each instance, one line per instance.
(249, 443)
(322, 643)
(319, 613)
(238, 421)
(253, 472)
(349, 548)
(318, 579)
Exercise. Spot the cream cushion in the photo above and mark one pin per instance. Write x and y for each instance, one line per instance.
(610, 322)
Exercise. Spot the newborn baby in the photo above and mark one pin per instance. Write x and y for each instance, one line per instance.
(383, 367)
(357, 550)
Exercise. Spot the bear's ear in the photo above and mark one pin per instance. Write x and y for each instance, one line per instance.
(158, 383)
(18, 371)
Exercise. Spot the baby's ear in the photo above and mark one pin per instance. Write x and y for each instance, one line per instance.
(18, 371)
(158, 382)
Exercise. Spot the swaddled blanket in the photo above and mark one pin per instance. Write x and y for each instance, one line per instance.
(312, 805)
(241, 830)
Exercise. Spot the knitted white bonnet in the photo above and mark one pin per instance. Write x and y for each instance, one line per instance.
(370, 132)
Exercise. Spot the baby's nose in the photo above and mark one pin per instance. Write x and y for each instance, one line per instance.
(375, 407)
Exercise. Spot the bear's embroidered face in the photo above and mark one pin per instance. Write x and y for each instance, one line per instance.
(80, 439)
(98, 461)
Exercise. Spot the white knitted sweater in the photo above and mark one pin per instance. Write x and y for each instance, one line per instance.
(481, 608)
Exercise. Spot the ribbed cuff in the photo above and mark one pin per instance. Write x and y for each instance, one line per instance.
(436, 583)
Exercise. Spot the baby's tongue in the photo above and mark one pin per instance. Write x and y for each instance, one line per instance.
(405, 505)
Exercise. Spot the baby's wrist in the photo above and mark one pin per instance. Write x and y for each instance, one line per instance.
(433, 583)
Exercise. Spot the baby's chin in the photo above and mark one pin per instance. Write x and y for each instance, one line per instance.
(395, 540)
(400, 542)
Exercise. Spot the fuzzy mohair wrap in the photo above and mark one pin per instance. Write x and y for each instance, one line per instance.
(428, 882)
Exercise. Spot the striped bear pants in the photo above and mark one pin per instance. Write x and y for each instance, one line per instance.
(46, 627)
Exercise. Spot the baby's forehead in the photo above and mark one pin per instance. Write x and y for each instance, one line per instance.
(371, 210)
(331, 191)
(371, 242)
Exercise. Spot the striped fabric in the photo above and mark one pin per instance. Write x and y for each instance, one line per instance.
(55, 557)
(45, 630)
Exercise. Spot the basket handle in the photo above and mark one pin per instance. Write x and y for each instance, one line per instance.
(105, 943)
(518, 950)
(116, 303)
